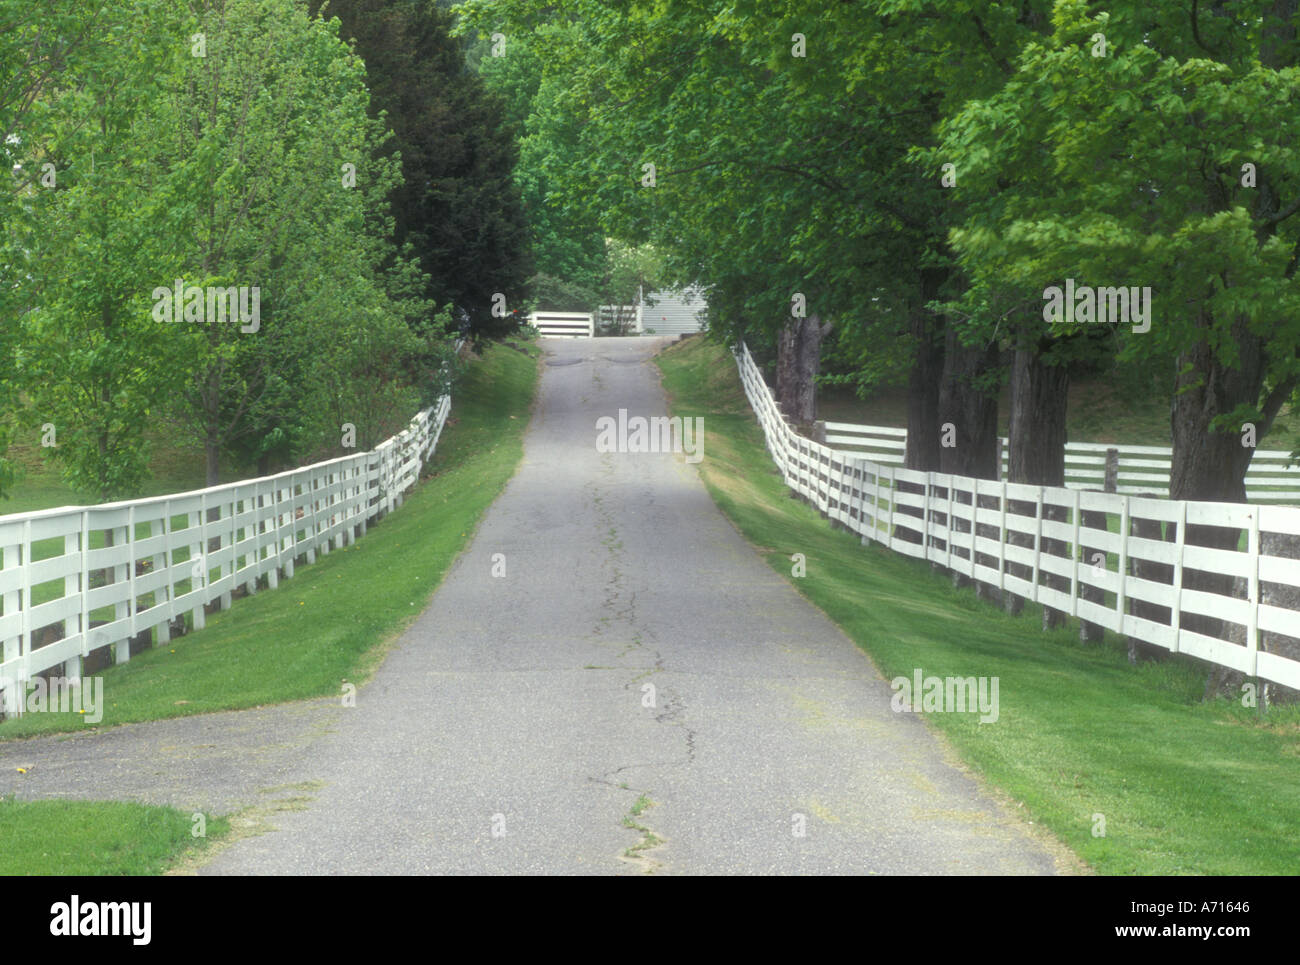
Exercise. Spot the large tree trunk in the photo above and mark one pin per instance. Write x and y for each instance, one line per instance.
(922, 452)
(927, 330)
(212, 454)
(1038, 409)
(968, 403)
(798, 360)
(971, 408)
(1211, 465)
(1039, 394)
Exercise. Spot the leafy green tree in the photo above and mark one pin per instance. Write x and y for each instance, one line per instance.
(567, 242)
(41, 46)
(457, 204)
(781, 138)
(91, 360)
(634, 271)
(1151, 150)
(1166, 146)
(278, 154)
(635, 87)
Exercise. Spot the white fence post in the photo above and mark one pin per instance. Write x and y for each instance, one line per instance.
(129, 542)
(875, 508)
(951, 528)
(1252, 593)
(1002, 542)
(1176, 612)
(25, 642)
(1038, 542)
(1121, 595)
(163, 563)
(1075, 553)
(83, 617)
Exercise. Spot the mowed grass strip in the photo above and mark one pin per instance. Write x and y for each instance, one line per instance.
(97, 837)
(1184, 786)
(332, 621)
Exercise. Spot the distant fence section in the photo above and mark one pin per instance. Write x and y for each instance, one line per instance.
(1112, 560)
(884, 444)
(1271, 478)
(76, 579)
(563, 324)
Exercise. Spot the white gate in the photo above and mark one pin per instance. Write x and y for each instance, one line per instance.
(562, 324)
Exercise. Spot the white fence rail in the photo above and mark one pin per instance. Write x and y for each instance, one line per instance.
(1142, 469)
(75, 579)
(563, 324)
(1078, 552)
(884, 444)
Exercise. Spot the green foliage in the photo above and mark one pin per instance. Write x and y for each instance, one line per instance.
(250, 161)
(457, 204)
(280, 214)
(90, 359)
(774, 174)
(556, 294)
(1122, 154)
(567, 243)
(947, 157)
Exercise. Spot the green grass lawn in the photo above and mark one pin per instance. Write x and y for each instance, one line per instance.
(1185, 786)
(330, 623)
(97, 837)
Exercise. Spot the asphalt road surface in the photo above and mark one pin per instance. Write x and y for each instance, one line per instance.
(637, 692)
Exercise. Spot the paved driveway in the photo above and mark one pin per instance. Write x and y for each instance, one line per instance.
(638, 692)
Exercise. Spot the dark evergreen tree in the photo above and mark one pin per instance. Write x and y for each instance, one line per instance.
(458, 205)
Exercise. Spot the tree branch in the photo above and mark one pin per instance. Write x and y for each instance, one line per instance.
(1285, 213)
(1196, 30)
(1003, 64)
(1273, 403)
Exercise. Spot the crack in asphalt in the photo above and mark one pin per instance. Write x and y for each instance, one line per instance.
(627, 614)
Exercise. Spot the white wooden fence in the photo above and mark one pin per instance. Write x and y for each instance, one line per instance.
(75, 579)
(563, 324)
(1142, 469)
(1064, 548)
